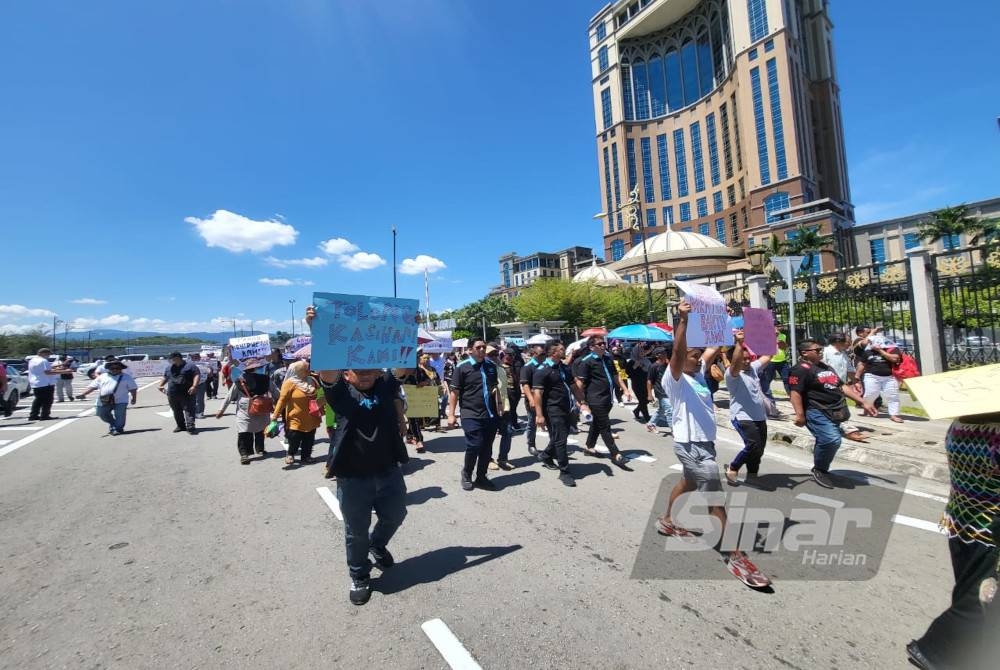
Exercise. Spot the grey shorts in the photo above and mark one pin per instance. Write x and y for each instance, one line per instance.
(700, 467)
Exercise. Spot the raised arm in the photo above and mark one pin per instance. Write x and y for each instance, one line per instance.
(680, 340)
(736, 362)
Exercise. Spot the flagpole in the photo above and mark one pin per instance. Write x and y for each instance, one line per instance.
(427, 301)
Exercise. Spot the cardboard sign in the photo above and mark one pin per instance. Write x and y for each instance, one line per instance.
(708, 318)
(758, 329)
(421, 401)
(252, 346)
(959, 392)
(364, 332)
(441, 343)
(146, 368)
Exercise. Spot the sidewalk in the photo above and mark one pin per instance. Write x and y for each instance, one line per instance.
(915, 447)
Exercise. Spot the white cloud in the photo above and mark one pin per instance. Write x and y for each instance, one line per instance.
(237, 233)
(89, 301)
(20, 311)
(280, 281)
(416, 266)
(315, 262)
(86, 323)
(338, 246)
(21, 329)
(362, 260)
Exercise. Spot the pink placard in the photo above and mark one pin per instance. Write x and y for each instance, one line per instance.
(758, 330)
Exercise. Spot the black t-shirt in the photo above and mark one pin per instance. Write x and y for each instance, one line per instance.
(554, 380)
(367, 439)
(656, 379)
(528, 372)
(875, 362)
(639, 365)
(819, 385)
(599, 377)
(180, 377)
(476, 386)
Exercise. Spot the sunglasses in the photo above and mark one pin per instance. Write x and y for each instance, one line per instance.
(600, 344)
(814, 349)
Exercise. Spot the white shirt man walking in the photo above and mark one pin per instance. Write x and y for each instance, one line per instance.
(41, 378)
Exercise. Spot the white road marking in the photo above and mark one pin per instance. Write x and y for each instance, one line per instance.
(918, 523)
(642, 458)
(26, 410)
(28, 428)
(820, 500)
(24, 441)
(4, 443)
(166, 414)
(678, 467)
(452, 651)
(89, 412)
(331, 500)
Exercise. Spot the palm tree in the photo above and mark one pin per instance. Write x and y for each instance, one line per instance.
(950, 221)
(809, 242)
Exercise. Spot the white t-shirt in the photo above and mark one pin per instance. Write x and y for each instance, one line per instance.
(746, 398)
(105, 384)
(691, 403)
(838, 360)
(37, 377)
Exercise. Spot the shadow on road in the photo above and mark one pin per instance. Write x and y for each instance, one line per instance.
(420, 496)
(582, 470)
(446, 444)
(415, 464)
(503, 481)
(436, 565)
(140, 430)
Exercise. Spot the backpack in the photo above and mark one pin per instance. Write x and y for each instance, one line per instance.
(906, 368)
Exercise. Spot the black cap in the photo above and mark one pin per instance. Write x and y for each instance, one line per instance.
(176, 354)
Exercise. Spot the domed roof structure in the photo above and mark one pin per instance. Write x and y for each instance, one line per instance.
(680, 253)
(599, 275)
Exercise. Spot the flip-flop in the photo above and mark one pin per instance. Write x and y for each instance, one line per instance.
(592, 452)
(621, 462)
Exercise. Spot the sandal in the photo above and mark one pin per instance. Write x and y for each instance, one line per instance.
(622, 462)
(731, 477)
(289, 460)
(592, 452)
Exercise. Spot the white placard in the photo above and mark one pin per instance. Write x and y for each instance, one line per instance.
(146, 368)
(252, 346)
(707, 321)
(441, 345)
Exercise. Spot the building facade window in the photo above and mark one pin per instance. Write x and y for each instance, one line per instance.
(602, 58)
(703, 229)
(702, 204)
(668, 216)
(727, 149)
(757, 11)
(696, 157)
(651, 218)
(617, 250)
(657, 87)
(717, 202)
(720, 230)
(606, 107)
(911, 241)
(506, 275)
(645, 147)
(685, 212)
(602, 31)
(636, 240)
(752, 54)
(731, 195)
(664, 164)
(736, 133)
(877, 248)
(758, 117)
(630, 162)
(769, 46)
(775, 203)
(713, 149)
(777, 126)
(680, 163)
(734, 228)
(618, 190)
(952, 242)
(626, 74)
(607, 190)
(686, 229)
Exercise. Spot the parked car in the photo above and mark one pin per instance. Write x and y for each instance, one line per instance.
(976, 342)
(17, 388)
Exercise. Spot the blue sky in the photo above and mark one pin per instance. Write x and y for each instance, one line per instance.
(158, 160)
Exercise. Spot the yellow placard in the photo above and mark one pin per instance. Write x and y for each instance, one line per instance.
(421, 401)
(959, 392)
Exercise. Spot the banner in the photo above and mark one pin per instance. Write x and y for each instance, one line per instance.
(758, 329)
(957, 393)
(707, 321)
(252, 346)
(441, 343)
(364, 332)
(421, 401)
(146, 368)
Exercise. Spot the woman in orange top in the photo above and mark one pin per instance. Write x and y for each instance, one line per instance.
(298, 392)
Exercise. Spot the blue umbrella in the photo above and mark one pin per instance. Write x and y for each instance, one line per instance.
(639, 331)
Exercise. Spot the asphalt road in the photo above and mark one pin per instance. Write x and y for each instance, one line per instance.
(159, 550)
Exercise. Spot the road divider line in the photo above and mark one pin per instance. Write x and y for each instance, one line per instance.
(26, 428)
(24, 441)
(820, 500)
(331, 500)
(918, 523)
(452, 651)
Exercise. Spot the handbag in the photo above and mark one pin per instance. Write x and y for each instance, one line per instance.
(109, 399)
(314, 408)
(259, 404)
(837, 413)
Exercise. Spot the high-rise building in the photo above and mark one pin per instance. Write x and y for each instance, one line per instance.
(519, 272)
(726, 115)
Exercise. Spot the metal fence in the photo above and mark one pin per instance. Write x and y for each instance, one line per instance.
(841, 300)
(968, 306)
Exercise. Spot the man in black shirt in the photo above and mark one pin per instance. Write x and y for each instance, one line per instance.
(527, 371)
(474, 389)
(817, 396)
(554, 388)
(597, 379)
(638, 372)
(663, 418)
(181, 381)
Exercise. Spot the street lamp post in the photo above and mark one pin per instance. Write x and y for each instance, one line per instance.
(394, 262)
(291, 301)
(632, 209)
(55, 325)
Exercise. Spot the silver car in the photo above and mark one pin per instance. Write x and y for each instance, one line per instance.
(17, 388)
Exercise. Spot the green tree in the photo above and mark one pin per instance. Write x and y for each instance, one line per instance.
(492, 309)
(809, 242)
(949, 221)
(282, 336)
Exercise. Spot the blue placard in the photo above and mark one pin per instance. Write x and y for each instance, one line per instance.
(363, 332)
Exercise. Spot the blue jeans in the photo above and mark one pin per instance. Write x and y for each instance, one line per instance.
(113, 415)
(385, 493)
(827, 434)
(771, 371)
(663, 417)
(479, 436)
(506, 435)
